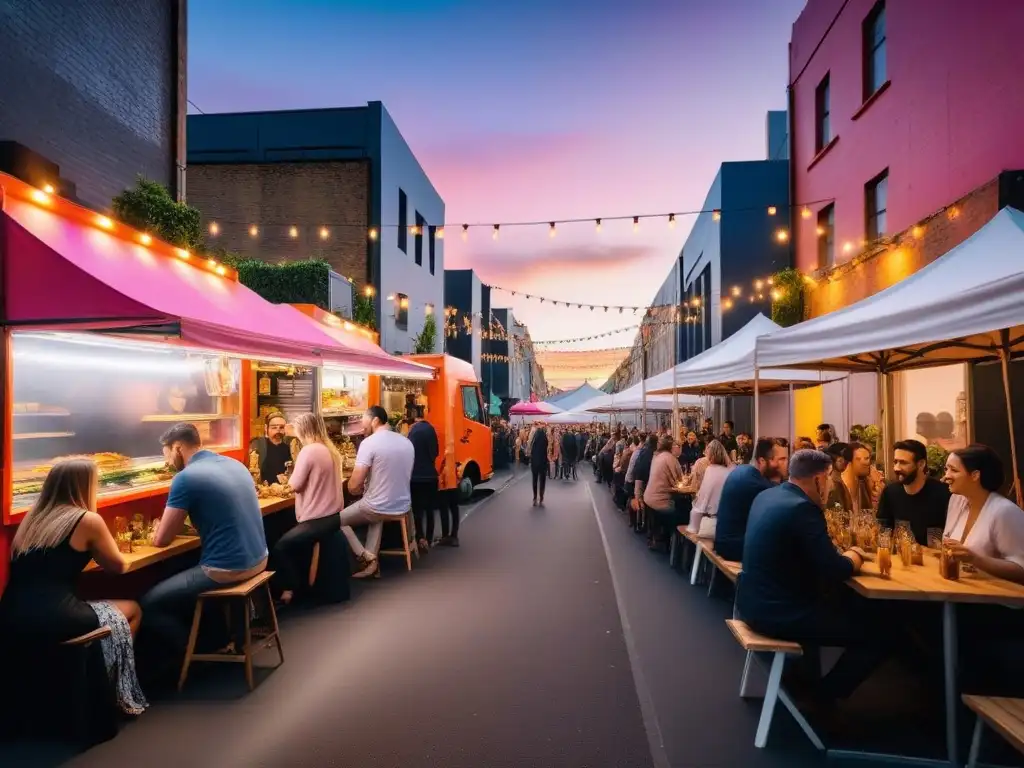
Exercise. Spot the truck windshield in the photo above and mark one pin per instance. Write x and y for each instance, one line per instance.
(471, 404)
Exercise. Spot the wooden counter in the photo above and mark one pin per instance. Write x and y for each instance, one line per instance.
(144, 555)
(923, 582)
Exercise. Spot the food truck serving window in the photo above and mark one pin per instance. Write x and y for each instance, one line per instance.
(471, 404)
(112, 399)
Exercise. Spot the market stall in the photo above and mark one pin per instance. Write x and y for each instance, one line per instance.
(729, 368)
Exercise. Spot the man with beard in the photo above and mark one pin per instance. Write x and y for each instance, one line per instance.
(769, 467)
(914, 496)
(218, 496)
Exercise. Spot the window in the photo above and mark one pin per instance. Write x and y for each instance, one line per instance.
(822, 109)
(403, 221)
(874, 50)
(827, 236)
(420, 223)
(432, 246)
(471, 406)
(876, 196)
(401, 311)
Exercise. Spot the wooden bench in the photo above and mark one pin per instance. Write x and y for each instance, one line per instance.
(242, 591)
(754, 643)
(1004, 716)
(681, 533)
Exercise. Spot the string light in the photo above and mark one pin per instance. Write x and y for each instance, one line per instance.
(414, 230)
(821, 231)
(805, 212)
(552, 231)
(776, 294)
(782, 236)
(185, 255)
(293, 232)
(847, 246)
(48, 189)
(211, 263)
(40, 196)
(727, 304)
(716, 215)
(671, 221)
(146, 239)
(917, 231)
(214, 228)
(324, 233)
(494, 234)
(758, 285)
(254, 231)
(373, 233)
(636, 223)
(465, 232)
(771, 210)
(736, 290)
(104, 222)
(429, 309)
(598, 227)
(439, 233)
(368, 291)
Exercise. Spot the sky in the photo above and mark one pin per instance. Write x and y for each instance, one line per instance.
(528, 111)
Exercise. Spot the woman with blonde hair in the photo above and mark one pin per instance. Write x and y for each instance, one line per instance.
(317, 481)
(56, 540)
(704, 514)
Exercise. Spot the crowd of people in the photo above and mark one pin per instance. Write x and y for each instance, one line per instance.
(765, 507)
(217, 496)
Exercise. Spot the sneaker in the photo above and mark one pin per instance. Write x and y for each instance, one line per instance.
(424, 545)
(370, 566)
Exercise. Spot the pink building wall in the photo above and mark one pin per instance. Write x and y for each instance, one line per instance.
(951, 119)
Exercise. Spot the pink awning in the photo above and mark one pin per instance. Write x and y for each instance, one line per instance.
(533, 409)
(371, 358)
(61, 273)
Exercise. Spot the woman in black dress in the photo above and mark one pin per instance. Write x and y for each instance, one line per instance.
(55, 541)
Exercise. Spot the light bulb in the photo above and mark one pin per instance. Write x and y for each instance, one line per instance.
(636, 223)
(254, 231)
(182, 253)
(39, 196)
(821, 231)
(368, 290)
(145, 239)
(439, 233)
(105, 222)
(552, 231)
(736, 290)
(758, 285)
(214, 228)
(716, 215)
(805, 212)
(465, 231)
(771, 210)
(494, 234)
(373, 233)
(671, 221)
(324, 233)
(293, 232)
(48, 189)
(597, 223)
(782, 236)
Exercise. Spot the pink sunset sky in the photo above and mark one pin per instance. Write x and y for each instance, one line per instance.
(528, 111)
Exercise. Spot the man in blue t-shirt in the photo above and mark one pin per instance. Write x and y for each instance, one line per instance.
(768, 467)
(219, 497)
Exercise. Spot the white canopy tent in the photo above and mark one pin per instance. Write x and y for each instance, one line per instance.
(573, 417)
(730, 368)
(632, 399)
(966, 306)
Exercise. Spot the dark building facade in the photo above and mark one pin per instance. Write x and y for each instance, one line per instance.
(93, 93)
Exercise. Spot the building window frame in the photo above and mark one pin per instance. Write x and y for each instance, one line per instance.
(402, 311)
(826, 232)
(418, 239)
(874, 51)
(876, 205)
(432, 248)
(823, 113)
(403, 221)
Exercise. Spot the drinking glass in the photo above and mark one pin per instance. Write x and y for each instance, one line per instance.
(949, 566)
(885, 552)
(916, 553)
(906, 556)
(935, 539)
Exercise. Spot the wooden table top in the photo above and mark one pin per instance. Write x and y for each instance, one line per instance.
(143, 555)
(923, 582)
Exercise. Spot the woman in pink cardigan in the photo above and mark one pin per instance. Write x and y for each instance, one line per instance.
(317, 482)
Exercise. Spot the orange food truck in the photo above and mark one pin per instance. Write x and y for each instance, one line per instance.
(455, 408)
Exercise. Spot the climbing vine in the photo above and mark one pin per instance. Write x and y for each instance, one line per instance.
(787, 297)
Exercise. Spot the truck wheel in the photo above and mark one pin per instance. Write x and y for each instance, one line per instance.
(465, 489)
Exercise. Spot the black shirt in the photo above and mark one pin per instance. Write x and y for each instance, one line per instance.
(423, 437)
(278, 454)
(923, 510)
(728, 442)
(539, 450)
(742, 486)
(690, 453)
(787, 559)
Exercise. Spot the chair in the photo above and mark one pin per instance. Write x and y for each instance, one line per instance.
(409, 547)
(266, 635)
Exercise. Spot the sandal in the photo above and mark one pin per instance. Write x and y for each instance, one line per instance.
(370, 567)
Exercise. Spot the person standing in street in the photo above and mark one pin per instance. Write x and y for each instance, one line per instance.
(423, 488)
(539, 463)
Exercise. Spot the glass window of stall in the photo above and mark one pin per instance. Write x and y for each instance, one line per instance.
(112, 398)
(281, 388)
(344, 398)
(400, 397)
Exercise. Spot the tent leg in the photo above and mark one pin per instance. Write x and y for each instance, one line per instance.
(1004, 359)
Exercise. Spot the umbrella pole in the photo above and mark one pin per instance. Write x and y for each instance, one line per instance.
(1004, 359)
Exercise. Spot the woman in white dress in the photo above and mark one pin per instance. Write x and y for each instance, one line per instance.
(983, 528)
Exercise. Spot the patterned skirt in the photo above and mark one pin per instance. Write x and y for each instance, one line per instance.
(119, 656)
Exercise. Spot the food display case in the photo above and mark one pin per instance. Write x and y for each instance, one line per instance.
(112, 398)
(344, 398)
(287, 389)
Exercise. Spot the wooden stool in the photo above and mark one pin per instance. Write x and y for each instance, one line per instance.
(314, 564)
(89, 638)
(241, 591)
(409, 547)
(753, 643)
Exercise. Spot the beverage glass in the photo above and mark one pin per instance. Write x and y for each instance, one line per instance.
(906, 556)
(885, 553)
(916, 554)
(935, 538)
(949, 566)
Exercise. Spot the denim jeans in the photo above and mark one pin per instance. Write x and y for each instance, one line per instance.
(167, 608)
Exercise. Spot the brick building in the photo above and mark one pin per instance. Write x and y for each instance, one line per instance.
(338, 184)
(905, 124)
(92, 96)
